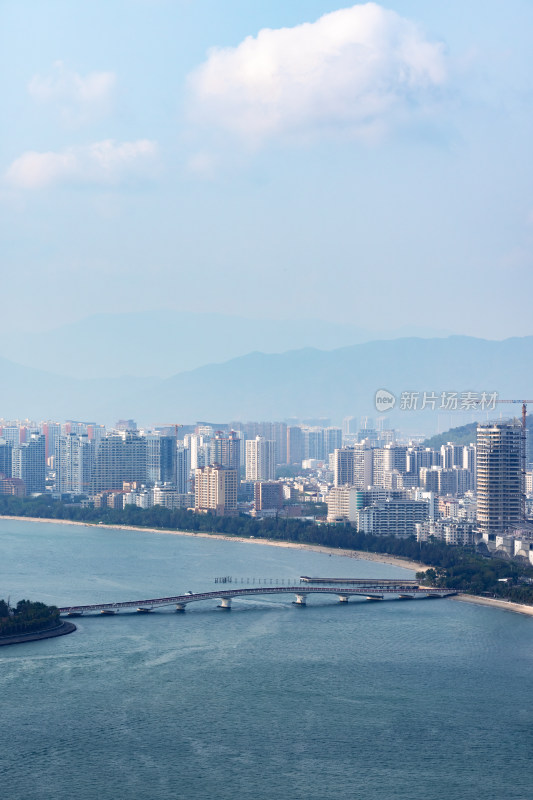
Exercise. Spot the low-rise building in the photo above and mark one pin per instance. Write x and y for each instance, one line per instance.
(169, 497)
(392, 517)
(268, 495)
(449, 531)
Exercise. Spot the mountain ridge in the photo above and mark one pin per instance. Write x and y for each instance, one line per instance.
(163, 343)
(307, 382)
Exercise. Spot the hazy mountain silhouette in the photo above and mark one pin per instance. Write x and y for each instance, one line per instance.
(298, 383)
(163, 343)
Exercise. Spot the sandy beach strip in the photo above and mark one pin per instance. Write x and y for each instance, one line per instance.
(505, 605)
(362, 555)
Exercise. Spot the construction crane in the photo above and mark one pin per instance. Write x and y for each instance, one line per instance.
(524, 408)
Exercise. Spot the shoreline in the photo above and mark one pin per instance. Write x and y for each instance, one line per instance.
(35, 636)
(361, 555)
(494, 602)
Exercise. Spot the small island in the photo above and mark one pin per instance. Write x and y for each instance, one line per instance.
(29, 621)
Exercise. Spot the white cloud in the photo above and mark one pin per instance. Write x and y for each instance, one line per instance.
(202, 164)
(79, 99)
(357, 70)
(104, 163)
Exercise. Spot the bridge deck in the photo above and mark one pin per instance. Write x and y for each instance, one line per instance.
(360, 581)
(184, 599)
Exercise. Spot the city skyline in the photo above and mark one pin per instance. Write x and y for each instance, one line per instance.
(379, 481)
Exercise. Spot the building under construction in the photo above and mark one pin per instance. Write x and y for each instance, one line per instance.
(500, 476)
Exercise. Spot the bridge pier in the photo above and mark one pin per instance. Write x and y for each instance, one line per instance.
(373, 591)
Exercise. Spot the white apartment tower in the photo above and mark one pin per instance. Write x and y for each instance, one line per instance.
(352, 466)
(260, 459)
(74, 463)
(28, 463)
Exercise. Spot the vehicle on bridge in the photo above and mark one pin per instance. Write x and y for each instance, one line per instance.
(370, 590)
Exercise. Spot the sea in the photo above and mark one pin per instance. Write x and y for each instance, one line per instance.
(391, 700)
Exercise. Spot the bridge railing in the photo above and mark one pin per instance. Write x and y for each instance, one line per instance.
(247, 592)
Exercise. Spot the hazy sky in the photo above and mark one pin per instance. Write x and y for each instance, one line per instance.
(368, 163)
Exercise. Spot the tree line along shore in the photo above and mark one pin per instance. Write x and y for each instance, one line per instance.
(26, 617)
(459, 568)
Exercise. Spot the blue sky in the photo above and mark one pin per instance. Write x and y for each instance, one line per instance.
(367, 164)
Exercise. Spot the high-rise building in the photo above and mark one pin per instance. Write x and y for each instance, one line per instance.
(215, 489)
(429, 478)
(469, 461)
(279, 436)
(378, 467)
(226, 450)
(29, 464)
(363, 475)
(119, 457)
(11, 433)
(352, 466)
(6, 449)
(499, 481)
(332, 440)
(124, 425)
(273, 431)
(199, 450)
(74, 464)
(418, 457)
(183, 469)
(295, 445)
(51, 432)
(451, 455)
(349, 426)
(260, 459)
(343, 466)
(394, 458)
(160, 458)
(314, 443)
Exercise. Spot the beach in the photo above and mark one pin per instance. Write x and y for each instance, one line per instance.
(382, 558)
(505, 605)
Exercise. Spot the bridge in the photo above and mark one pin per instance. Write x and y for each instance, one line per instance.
(374, 590)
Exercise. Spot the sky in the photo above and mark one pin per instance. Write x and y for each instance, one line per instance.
(366, 164)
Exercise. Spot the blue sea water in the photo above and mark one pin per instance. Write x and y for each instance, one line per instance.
(399, 700)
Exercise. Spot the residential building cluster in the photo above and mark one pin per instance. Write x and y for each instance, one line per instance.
(460, 495)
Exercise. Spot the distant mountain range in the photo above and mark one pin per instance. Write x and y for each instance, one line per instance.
(297, 383)
(163, 343)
